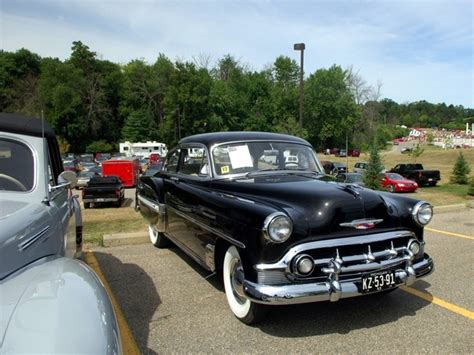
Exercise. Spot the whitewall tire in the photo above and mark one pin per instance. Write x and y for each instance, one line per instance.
(157, 238)
(245, 310)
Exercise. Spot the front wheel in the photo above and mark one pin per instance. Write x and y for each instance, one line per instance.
(157, 238)
(245, 310)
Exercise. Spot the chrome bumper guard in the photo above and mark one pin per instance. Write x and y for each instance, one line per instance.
(331, 290)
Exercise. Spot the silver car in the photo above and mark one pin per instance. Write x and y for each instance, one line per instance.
(83, 178)
(50, 302)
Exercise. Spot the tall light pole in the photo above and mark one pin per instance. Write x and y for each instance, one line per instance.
(300, 47)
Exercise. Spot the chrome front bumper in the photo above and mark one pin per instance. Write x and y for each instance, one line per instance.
(331, 290)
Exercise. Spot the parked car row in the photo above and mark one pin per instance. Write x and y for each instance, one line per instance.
(402, 178)
(342, 152)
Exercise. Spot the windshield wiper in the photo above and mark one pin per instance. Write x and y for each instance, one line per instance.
(295, 171)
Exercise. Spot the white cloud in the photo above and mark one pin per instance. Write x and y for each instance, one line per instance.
(419, 49)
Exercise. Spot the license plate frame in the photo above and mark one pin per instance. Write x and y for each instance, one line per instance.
(378, 281)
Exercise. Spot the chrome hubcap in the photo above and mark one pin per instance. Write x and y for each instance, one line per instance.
(236, 280)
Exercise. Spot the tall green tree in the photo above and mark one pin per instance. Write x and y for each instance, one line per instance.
(461, 171)
(19, 75)
(330, 109)
(375, 167)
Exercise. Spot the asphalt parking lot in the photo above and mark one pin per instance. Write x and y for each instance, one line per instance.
(172, 305)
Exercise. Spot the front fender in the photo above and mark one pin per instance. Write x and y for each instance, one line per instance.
(57, 305)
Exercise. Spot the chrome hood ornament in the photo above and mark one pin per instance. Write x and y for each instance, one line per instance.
(362, 223)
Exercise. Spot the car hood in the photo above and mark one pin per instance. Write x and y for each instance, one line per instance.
(25, 235)
(56, 305)
(320, 206)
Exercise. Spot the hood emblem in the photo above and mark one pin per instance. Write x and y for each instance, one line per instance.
(362, 223)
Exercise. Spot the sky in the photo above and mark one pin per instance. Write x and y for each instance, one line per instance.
(418, 49)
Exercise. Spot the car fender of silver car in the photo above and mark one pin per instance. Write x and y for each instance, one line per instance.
(50, 302)
(281, 233)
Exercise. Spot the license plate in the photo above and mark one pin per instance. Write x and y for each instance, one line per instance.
(100, 199)
(430, 179)
(378, 281)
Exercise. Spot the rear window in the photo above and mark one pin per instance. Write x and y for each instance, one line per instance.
(16, 166)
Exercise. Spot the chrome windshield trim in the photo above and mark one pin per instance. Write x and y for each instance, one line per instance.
(284, 262)
(208, 228)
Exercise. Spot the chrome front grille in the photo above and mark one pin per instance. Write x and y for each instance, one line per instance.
(272, 277)
(342, 259)
(367, 258)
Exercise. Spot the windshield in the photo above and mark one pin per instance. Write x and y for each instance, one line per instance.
(245, 157)
(16, 166)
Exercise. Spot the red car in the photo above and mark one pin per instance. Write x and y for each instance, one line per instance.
(397, 183)
(354, 152)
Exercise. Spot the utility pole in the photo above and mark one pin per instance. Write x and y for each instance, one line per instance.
(301, 47)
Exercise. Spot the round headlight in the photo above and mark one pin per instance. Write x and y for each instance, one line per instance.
(422, 213)
(277, 227)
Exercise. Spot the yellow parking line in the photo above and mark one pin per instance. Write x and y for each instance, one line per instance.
(129, 345)
(437, 301)
(450, 233)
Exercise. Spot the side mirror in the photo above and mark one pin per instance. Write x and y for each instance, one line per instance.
(67, 178)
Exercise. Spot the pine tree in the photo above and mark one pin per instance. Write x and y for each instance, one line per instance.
(461, 171)
(470, 191)
(371, 176)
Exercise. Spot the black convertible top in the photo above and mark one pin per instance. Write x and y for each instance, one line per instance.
(210, 139)
(31, 126)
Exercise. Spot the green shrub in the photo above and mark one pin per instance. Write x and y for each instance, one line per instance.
(461, 171)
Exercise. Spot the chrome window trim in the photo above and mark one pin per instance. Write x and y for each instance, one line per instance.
(34, 153)
(209, 229)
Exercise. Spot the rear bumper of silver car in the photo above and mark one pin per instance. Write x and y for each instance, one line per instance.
(330, 290)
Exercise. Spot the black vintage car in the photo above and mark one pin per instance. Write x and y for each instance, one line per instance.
(276, 228)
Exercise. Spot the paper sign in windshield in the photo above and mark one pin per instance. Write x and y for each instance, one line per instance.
(240, 157)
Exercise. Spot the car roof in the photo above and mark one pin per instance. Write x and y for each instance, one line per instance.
(210, 139)
(19, 124)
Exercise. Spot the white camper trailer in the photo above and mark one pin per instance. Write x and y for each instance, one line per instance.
(143, 149)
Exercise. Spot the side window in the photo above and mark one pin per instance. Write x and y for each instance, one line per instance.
(195, 162)
(16, 166)
(172, 161)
